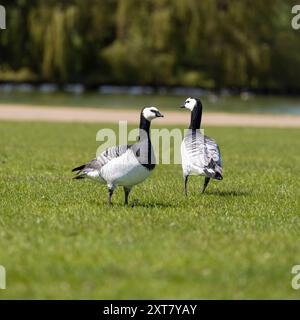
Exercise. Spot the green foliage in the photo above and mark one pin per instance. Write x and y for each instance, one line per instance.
(60, 241)
(212, 43)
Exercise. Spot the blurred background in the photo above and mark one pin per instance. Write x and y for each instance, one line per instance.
(238, 55)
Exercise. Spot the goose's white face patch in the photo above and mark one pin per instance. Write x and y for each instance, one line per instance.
(150, 113)
(190, 103)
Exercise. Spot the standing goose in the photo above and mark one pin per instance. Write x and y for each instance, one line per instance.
(125, 165)
(200, 154)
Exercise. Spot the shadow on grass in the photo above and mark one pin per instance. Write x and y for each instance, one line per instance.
(136, 204)
(156, 204)
(229, 193)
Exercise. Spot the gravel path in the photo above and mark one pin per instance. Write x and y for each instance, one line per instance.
(62, 114)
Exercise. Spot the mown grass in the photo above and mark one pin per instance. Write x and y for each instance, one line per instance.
(59, 240)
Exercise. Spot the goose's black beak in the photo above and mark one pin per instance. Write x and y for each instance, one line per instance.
(159, 115)
(182, 106)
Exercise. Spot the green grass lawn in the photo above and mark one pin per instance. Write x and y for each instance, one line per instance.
(59, 240)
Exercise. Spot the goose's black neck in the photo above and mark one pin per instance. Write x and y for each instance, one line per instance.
(144, 126)
(147, 158)
(196, 116)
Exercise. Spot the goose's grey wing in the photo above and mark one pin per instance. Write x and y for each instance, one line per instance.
(111, 153)
(92, 168)
(213, 151)
(195, 149)
(201, 153)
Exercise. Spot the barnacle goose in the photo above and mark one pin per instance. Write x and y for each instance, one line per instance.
(200, 155)
(125, 165)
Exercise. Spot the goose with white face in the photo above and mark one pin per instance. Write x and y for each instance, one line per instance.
(190, 103)
(151, 113)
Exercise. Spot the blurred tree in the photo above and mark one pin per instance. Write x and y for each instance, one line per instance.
(212, 43)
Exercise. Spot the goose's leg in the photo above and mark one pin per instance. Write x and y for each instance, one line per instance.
(185, 184)
(126, 191)
(206, 181)
(110, 193)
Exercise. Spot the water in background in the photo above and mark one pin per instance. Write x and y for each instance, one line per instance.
(135, 97)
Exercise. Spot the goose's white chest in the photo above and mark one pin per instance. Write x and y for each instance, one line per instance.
(124, 170)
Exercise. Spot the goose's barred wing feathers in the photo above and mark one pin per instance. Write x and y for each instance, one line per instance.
(204, 152)
(113, 152)
(213, 167)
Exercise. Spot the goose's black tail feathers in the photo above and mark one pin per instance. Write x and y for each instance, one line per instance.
(218, 176)
(84, 170)
(79, 177)
(79, 168)
(79, 172)
(213, 170)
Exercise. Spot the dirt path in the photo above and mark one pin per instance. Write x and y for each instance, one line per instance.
(62, 114)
